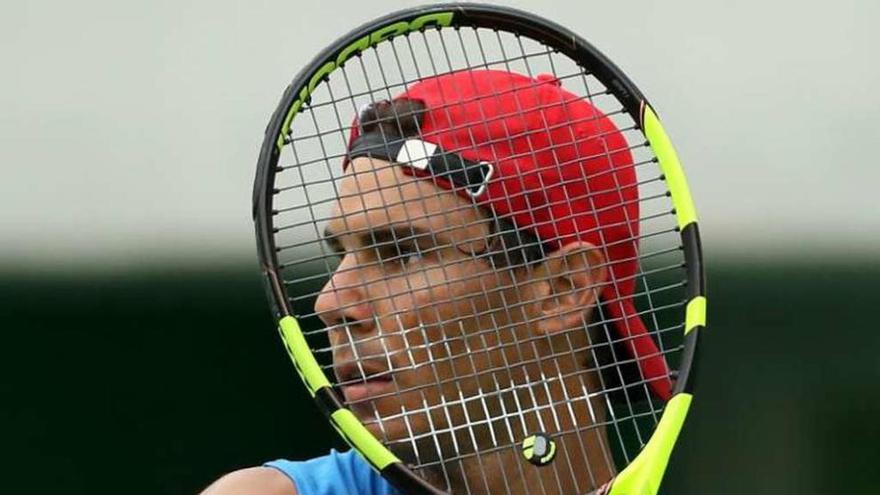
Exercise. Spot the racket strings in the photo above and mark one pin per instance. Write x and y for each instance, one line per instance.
(537, 405)
(676, 267)
(514, 195)
(460, 419)
(499, 369)
(562, 182)
(327, 132)
(627, 224)
(328, 350)
(435, 360)
(588, 93)
(311, 259)
(497, 391)
(671, 306)
(454, 438)
(479, 333)
(499, 347)
(662, 215)
(525, 134)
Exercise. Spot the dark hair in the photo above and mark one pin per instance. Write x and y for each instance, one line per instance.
(511, 247)
(399, 118)
(508, 246)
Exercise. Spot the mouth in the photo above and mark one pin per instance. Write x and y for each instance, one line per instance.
(361, 383)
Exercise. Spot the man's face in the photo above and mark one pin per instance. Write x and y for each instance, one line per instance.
(425, 332)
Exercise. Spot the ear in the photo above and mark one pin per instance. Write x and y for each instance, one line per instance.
(572, 279)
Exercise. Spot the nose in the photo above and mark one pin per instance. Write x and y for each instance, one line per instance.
(343, 300)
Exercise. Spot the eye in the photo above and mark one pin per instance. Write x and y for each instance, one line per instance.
(411, 258)
(403, 255)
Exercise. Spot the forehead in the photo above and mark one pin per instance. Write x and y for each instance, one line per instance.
(375, 193)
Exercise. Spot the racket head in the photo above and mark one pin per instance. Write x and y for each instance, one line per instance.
(300, 176)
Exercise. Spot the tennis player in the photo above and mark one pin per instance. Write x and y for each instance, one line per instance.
(485, 222)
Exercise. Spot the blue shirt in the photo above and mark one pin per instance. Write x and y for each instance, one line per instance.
(333, 474)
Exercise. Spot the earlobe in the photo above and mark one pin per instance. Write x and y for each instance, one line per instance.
(574, 277)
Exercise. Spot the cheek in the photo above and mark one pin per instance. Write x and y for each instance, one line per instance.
(457, 317)
(432, 306)
(424, 288)
(434, 290)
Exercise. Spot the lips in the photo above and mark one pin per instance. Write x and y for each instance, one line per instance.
(362, 381)
(370, 388)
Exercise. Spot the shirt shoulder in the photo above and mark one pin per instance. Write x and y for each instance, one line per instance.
(338, 473)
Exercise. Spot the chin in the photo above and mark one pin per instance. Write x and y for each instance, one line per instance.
(394, 430)
(371, 414)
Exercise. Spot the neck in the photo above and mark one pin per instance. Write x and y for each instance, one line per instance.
(580, 466)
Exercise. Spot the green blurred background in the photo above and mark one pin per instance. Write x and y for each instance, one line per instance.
(137, 351)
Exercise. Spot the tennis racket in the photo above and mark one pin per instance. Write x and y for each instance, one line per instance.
(483, 255)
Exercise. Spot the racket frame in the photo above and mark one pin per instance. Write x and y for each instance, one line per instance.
(644, 474)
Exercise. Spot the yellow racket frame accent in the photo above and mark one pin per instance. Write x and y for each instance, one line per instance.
(357, 435)
(685, 212)
(302, 357)
(345, 422)
(695, 314)
(644, 474)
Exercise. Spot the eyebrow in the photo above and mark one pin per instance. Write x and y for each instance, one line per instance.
(385, 235)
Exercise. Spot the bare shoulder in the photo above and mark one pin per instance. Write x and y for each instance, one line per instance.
(252, 481)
